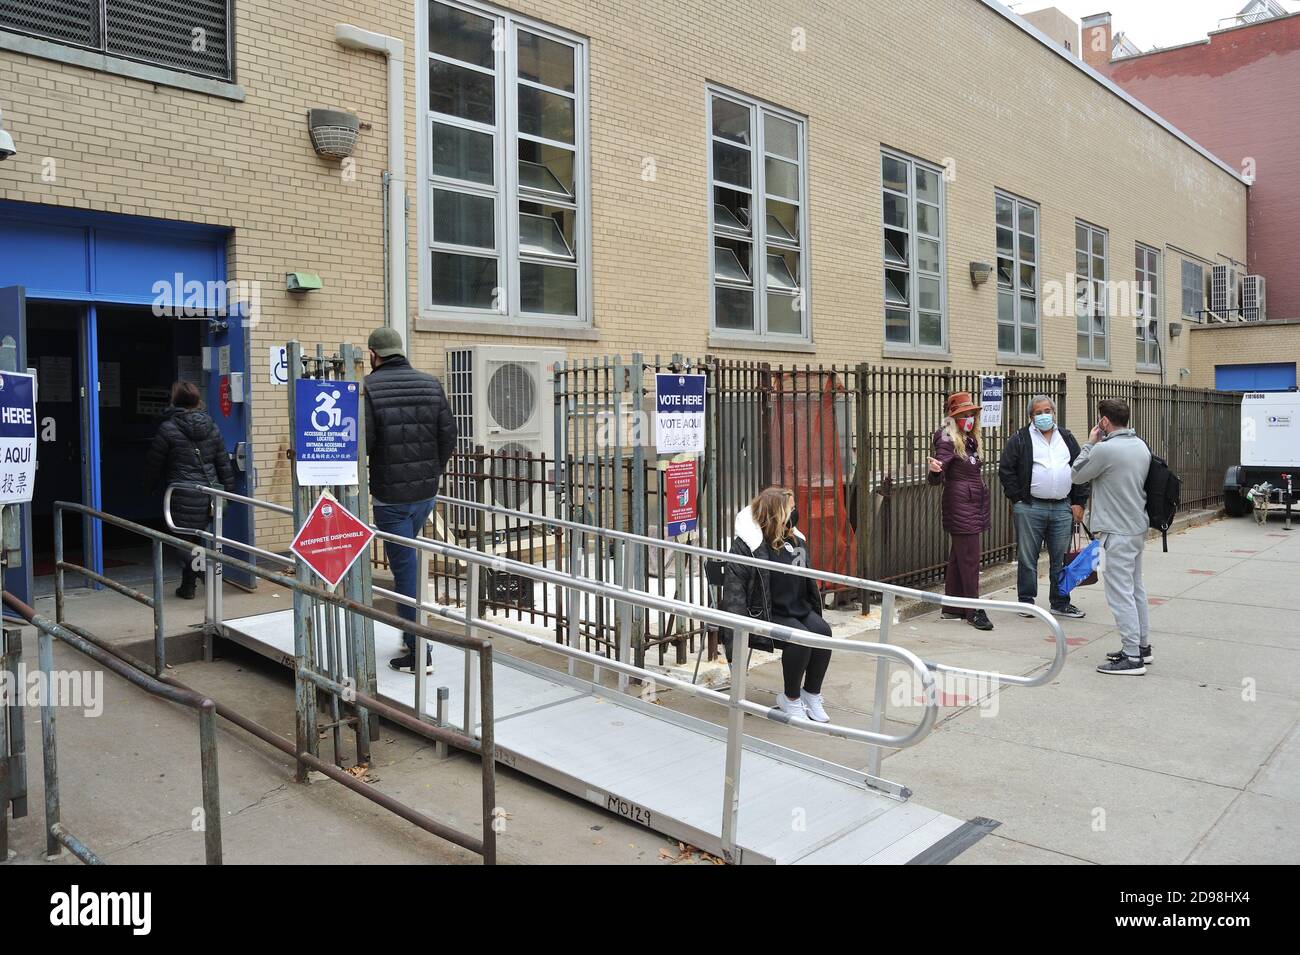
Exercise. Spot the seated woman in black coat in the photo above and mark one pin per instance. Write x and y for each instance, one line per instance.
(767, 529)
(188, 449)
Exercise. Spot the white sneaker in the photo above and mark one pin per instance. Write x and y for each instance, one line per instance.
(813, 703)
(789, 707)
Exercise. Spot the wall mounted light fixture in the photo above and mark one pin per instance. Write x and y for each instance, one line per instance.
(980, 272)
(333, 132)
(7, 147)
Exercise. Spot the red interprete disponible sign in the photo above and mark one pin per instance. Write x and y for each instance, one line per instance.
(331, 539)
(227, 402)
(680, 511)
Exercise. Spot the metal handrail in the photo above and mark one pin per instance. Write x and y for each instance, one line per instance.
(483, 746)
(740, 625)
(55, 833)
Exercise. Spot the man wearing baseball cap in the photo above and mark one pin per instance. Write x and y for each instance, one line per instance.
(410, 437)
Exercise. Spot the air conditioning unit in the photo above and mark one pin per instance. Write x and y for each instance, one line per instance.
(503, 400)
(1224, 283)
(1252, 298)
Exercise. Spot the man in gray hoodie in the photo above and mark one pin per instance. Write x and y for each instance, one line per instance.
(1115, 460)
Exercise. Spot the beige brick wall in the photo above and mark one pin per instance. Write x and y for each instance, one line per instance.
(1239, 344)
(950, 81)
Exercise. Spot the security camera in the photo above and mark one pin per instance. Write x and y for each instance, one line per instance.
(6, 142)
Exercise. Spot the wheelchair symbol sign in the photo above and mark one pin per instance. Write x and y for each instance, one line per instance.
(279, 365)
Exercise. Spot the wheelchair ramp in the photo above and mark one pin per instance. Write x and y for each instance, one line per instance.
(663, 769)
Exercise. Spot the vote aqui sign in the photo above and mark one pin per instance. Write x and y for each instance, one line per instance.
(325, 432)
(331, 539)
(17, 437)
(679, 413)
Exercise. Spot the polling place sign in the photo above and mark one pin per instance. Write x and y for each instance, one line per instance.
(325, 432)
(17, 437)
(991, 392)
(679, 413)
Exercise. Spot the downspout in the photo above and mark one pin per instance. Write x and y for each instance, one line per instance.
(355, 38)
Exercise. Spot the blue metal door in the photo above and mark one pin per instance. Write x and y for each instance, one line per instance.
(17, 519)
(228, 397)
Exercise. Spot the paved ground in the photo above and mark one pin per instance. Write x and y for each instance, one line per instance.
(1198, 761)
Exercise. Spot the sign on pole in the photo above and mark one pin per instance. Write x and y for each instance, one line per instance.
(679, 413)
(17, 437)
(681, 512)
(991, 388)
(325, 432)
(331, 539)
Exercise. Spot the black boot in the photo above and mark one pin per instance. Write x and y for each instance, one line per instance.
(186, 590)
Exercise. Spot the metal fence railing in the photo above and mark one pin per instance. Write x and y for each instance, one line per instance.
(1197, 431)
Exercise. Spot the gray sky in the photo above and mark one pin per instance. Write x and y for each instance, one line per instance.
(1151, 23)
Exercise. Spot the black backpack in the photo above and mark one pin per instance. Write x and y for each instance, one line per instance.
(1164, 491)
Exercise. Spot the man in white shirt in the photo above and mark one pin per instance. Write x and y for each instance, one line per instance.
(1035, 471)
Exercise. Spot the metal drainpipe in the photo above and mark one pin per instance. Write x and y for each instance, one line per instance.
(355, 38)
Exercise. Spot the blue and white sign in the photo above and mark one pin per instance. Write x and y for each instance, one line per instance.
(325, 432)
(679, 413)
(17, 437)
(279, 362)
(991, 389)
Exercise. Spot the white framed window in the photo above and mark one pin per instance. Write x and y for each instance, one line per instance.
(915, 277)
(1193, 290)
(1017, 270)
(1146, 312)
(1092, 300)
(504, 201)
(758, 219)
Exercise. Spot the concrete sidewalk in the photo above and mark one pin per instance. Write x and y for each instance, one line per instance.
(1198, 761)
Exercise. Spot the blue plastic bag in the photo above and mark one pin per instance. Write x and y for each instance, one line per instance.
(1084, 565)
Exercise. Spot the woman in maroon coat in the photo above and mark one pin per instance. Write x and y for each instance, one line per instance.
(965, 502)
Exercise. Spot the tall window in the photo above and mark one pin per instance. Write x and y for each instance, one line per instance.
(1147, 311)
(1091, 299)
(758, 218)
(1193, 290)
(1017, 237)
(914, 254)
(505, 210)
(193, 36)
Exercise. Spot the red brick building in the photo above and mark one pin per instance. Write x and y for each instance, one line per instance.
(1237, 93)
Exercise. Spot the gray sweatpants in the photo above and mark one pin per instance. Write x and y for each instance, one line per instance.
(1121, 573)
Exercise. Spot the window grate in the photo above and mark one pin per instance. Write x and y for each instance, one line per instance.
(70, 21)
(186, 35)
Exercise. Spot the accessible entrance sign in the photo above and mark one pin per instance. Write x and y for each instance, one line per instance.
(17, 437)
(331, 539)
(325, 432)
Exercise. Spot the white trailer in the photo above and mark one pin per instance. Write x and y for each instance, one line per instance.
(1270, 449)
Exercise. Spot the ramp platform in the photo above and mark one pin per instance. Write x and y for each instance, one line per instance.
(664, 769)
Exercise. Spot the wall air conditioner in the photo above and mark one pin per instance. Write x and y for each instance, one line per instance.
(503, 399)
(1225, 281)
(1252, 298)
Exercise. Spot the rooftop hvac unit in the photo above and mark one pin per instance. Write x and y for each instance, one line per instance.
(1252, 298)
(1224, 283)
(503, 401)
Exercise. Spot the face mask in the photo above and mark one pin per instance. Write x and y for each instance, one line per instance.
(1044, 422)
(793, 519)
(968, 424)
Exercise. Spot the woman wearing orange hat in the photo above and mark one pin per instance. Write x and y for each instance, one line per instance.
(965, 502)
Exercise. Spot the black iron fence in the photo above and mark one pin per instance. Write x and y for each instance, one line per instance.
(1197, 431)
(850, 441)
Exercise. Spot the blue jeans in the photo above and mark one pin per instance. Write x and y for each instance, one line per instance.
(1039, 523)
(405, 520)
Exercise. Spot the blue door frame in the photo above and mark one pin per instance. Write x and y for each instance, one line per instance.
(93, 258)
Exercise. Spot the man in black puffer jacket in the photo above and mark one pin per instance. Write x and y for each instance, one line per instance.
(410, 437)
(188, 449)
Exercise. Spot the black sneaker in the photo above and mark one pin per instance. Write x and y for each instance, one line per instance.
(1069, 610)
(1119, 654)
(980, 621)
(406, 662)
(1127, 666)
(1030, 602)
(185, 593)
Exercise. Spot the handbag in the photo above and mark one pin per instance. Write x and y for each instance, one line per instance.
(1080, 565)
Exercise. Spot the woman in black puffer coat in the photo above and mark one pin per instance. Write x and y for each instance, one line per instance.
(188, 449)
